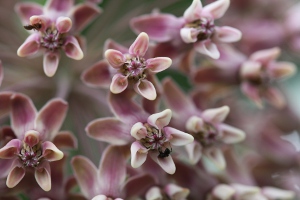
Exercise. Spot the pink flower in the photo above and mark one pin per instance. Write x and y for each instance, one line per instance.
(54, 27)
(132, 68)
(33, 148)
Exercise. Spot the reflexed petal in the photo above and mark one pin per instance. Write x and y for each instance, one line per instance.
(5, 98)
(51, 152)
(231, 134)
(215, 115)
(83, 14)
(158, 64)
(159, 27)
(86, 175)
(265, 56)
(11, 149)
(115, 58)
(227, 34)
(27, 9)
(42, 176)
(30, 46)
(154, 194)
(32, 137)
(276, 193)
(223, 191)
(138, 131)
(63, 24)
(15, 175)
(194, 124)
(109, 130)
(50, 63)
(118, 84)
(194, 151)
(189, 35)
(216, 156)
(110, 44)
(193, 12)
(72, 48)
(51, 117)
(138, 154)
(161, 119)
(208, 48)
(146, 89)
(176, 192)
(58, 5)
(216, 9)
(280, 70)
(166, 163)
(140, 45)
(137, 185)
(98, 75)
(275, 97)
(252, 93)
(65, 139)
(22, 115)
(177, 137)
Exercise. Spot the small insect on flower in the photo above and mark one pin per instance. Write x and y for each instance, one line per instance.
(36, 26)
(165, 153)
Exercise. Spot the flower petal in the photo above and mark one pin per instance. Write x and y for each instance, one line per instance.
(138, 154)
(83, 14)
(154, 193)
(275, 97)
(86, 175)
(43, 20)
(138, 131)
(208, 48)
(276, 193)
(63, 24)
(176, 192)
(265, 56)
(50, 63)
(72, 48)
(252, 93)
(98, 75)
(161, 119)
(15, 175)
(216, 156)
(22, 115)
(51, 152)
(115, 58)
(11, 149)
(166, 163)
(216, 9)
(194, 151)
(146, 89)
(65, 139)
(194, 124)
(215, 115)
(231, 134)
(189, 35)
(42, 176)
(5, 107)
(118, 84)
(227, 34)
(251, 70)
(137, 185)
(281, 70)
(177, 137)
(31, 137)
(223, 191)
(58, 6)
(27, 9)
(30, 46)
(109, 130)
(158, 64)
(193, 12)
(140, 45)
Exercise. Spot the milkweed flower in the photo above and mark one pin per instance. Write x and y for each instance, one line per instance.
(173, 192)
(55, 26)
(33, 149)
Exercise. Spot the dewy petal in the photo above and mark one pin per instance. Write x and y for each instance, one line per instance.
(98, 75)
(216, 9)
(138, 154)
(265, 56)
(32, 137)
(276, 193)
(154, 194)
(161, 119)
(216, 156)
(207, 48)
(158, 64)
(11, 149)
(115, 58)
(50, 63)
(252, 93)
(118, 84)
(30, 46)
(27, 9)
(215, 115)
(109, 130)
(146, 89)
(188, 35)
(230, 135)
(227, 34)
(194, 151)
(15, 175)
(176, 192)
(65, 139)
(138, 131)
(42, 176)
(86, 175)
(83, 14)
(23, 114)
(140, 45)
(166, 163)
(280, 70)
(193, 12)
(51, 152)
(177, 137)
(275, 97)
(72, 48)
(63, 24)
(51, 117)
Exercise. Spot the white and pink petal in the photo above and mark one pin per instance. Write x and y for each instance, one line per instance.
(15, 175)
(119, 83)
(72, 48)
(158, 64)
(42, 175)
(227, 34)
(63, 24)
(207, 48)
(177, 137)
(11, 149)
(51, 152)
(31, 45)
(146, 89)
(138, 154)
(230, 134)
(115, 58)
(216, 9)
(215, 115)
(138, 131)
(194, 151)
(193, 12)
(50, 63)
(161, 119)
(140, 45)
(166, 163)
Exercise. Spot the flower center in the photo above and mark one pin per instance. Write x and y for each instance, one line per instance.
(134, 68)
(30, 156)
(208, 136)
(155, 138)
(204, 28)
(51, 39)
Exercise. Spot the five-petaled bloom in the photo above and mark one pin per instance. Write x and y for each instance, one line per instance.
(155, 137)
(33, 149)
(54, 27)
(132, 68)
